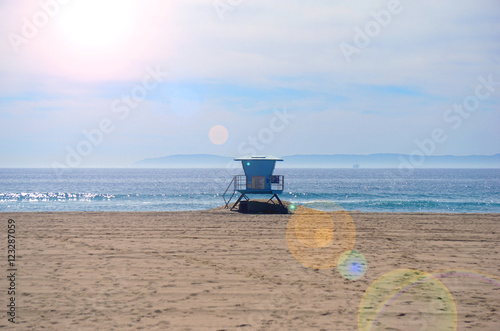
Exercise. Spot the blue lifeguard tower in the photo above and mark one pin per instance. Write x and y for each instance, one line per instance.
(258, 179)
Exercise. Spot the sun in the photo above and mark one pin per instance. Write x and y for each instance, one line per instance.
(97, 25)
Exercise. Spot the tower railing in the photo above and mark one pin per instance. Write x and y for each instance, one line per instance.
(232, 193)
(277, 183)
(240, 183)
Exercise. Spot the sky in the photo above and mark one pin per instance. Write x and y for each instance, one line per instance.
(106, 83)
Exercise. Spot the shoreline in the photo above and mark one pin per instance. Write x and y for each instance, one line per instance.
(213, 209)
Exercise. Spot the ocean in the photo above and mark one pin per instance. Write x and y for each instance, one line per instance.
(368, 190)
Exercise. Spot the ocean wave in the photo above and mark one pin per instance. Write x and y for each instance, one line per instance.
(54, 196)
(401, 205)
(324, 205)
(68, 196)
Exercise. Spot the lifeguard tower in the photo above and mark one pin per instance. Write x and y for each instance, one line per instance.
(258, 179)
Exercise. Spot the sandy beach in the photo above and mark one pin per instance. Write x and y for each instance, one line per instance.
(222, 270)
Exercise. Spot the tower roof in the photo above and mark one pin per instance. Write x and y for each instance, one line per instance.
(258, 158)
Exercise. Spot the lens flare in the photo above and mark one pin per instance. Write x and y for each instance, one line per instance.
(418, 297)
(323, 237)
(218, 134)
(317, 239)
(352, 265)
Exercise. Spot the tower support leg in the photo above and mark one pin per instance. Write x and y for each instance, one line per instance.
(277, 198)
(238, 201)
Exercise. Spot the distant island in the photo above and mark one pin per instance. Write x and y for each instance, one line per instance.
(331, 161)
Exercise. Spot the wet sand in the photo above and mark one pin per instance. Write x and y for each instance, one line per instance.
(222, 270)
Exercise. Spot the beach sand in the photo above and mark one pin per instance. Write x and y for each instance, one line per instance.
(222, 270)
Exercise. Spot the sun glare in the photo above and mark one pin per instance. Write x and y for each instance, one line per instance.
(97, 25)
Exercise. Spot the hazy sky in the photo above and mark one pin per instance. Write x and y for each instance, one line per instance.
(110, 82)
